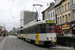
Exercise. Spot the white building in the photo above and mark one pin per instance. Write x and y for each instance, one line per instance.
(2, 28)
(49, 13)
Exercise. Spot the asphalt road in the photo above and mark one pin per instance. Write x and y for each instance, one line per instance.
(12, 43)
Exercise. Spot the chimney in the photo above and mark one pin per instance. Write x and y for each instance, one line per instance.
(51, 4)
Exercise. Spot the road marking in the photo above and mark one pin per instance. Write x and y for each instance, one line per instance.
(18, 46)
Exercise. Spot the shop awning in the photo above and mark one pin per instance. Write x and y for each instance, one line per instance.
(66, 28)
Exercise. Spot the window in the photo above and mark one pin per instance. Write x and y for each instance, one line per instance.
(21, 31)
(73, 1)
(74, 14)
(53, 14)
(58, 11)
(63, 19)
(58, 20)
(69, 19)
(55, 11)
(65, 7)
(68, 5)
(55, 1)
(62, 8)
(66, 17)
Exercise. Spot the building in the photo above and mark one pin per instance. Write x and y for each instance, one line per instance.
(63, 17)
(49, 13)
(2, 28)
(14, 30)
(27, 16)
(73, 15)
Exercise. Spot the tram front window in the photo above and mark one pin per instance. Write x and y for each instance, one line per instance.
(50, 28)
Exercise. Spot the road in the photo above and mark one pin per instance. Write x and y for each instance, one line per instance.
(12, 43)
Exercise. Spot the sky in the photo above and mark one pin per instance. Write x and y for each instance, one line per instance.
(10, 11)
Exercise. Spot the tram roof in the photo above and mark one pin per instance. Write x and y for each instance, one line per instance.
(36, 23)
(33, 24)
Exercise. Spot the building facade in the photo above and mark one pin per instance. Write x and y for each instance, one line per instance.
(63, 16)
(26, 17)
(49, 13)
(73, 15)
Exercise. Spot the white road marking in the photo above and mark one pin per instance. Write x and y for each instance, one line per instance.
(18, 46)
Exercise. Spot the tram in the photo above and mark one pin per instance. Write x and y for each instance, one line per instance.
(40, 33)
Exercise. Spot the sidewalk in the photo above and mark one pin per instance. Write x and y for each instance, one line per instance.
(1, 39)
(63, 47)
(2, 42)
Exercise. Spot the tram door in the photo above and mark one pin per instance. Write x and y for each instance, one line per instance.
(37, 38)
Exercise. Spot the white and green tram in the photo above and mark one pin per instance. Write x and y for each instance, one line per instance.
(40, 33)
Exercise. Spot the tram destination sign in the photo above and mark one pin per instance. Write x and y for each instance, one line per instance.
(50, 21)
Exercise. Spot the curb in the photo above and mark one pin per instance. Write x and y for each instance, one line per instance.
(63, 47)
(2, 44)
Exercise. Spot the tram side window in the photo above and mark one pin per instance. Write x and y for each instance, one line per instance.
(33, 29)
(36, 30)
(43, 28)
(24, 31)
(38, 27)
(17, 32)
(28, 30)
(21, 31)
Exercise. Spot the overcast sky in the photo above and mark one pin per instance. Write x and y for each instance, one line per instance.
(10, 11)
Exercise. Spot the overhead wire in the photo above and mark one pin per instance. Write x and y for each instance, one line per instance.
(11, 8)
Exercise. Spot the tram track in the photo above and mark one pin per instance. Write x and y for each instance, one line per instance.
(18, 45)
(12, 43)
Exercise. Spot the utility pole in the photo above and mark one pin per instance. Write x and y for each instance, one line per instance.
(4, 30)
